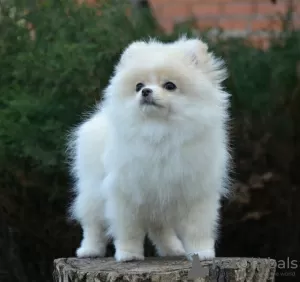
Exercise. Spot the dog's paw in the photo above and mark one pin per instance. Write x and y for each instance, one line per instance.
(128, 256)
(202, 254)
(84, 252)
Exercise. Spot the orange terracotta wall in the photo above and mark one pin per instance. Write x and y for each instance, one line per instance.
(234, 15)
(239, 16)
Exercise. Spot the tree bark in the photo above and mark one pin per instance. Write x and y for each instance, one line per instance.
(157, 269)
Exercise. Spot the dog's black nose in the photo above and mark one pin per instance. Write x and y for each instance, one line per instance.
(146, 92)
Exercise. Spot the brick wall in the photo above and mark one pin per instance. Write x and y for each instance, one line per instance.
(253, 19)
(237, 17)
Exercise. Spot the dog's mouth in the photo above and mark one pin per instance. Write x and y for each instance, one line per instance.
(145, 102)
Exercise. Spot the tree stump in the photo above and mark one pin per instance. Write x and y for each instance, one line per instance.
(157, 269)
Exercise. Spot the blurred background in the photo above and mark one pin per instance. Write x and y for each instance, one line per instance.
(56, 56)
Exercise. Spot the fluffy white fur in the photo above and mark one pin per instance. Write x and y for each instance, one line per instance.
(157, 170)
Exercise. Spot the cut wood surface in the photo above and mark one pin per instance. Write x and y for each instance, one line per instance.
(157, 269)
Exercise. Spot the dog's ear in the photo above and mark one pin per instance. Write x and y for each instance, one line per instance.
(195, 49)
(198, 54)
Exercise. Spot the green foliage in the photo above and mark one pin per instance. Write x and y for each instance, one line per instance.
(49, 83)
(262, 80)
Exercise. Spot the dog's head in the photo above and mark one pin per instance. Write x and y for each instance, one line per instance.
(169, 81)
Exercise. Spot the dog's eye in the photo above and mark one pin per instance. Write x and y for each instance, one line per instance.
(139, 86)
(170, 86)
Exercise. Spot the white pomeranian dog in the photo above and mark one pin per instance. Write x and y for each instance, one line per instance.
(153, 158)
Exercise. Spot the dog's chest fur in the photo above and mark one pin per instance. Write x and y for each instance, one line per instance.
(171, 170)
